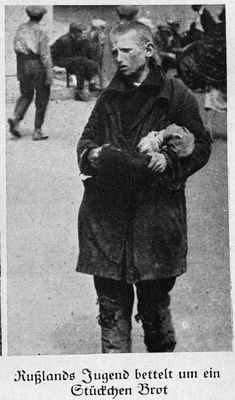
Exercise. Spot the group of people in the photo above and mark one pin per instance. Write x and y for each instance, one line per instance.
(144, 138)
(81, 54)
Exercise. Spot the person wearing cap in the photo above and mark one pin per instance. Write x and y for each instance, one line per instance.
(73, 52)
(132, 219)
(96, 38)
(34, 71)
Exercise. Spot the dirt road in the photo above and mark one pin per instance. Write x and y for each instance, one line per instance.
(51, 308)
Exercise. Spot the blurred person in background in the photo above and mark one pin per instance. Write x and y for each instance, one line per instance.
(34, 71)
(96, 37)
(73, 52)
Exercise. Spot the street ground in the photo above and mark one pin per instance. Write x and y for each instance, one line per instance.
(51, 308)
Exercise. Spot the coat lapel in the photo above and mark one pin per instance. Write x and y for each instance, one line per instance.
(154, 104)
(144, 111)
(115, 125)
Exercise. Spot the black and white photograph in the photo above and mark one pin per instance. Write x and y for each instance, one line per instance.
(117, 179)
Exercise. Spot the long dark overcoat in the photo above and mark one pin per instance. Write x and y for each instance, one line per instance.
(144, 223)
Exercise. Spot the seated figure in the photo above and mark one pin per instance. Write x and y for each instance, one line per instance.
(72, 52)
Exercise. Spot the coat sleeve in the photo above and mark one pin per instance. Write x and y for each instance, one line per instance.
(187, 115)
(45, 57)
(57, 50)
(91, 136)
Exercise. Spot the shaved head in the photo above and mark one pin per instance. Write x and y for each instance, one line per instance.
(143, 33)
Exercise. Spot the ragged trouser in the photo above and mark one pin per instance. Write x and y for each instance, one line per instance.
(116, 300)
(32, 78)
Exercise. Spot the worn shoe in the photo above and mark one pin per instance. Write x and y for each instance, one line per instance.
(38, 135)
(82, 95)
(13, 127)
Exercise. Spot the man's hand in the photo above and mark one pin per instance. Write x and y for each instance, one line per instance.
(158, 162)
(152, 142)
(93, 156)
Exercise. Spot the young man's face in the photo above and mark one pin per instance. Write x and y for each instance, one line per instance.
(129, 54)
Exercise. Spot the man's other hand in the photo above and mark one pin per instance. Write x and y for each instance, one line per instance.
(93, 156)
(152, 142)
(158, 162)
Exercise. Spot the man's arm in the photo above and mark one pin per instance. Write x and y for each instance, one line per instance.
(18, 47)
(54, 51)
(91, 138)
(45, 57)
(58, 49)
(188, 116)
